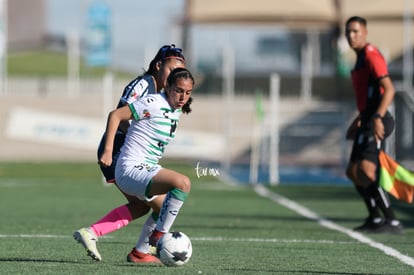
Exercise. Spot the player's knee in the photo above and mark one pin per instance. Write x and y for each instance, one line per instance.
(366, 176)
(183, 183)
(371, 176)
(367, 171)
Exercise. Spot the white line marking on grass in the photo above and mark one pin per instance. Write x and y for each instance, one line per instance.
(262, 240)
(264, 192)
(203, 239)
(208, 239)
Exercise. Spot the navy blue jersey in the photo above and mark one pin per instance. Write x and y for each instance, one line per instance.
(137, 88)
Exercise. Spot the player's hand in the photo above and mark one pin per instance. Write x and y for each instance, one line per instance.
(105, 160)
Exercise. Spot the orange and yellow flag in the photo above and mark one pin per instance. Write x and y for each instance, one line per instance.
(395, 179)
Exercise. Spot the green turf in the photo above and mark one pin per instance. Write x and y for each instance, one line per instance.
(51, 64)
(233, 230)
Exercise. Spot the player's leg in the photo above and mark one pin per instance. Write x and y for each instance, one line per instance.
(374, 218)
(176, 187)
(116, 218)
(134, 181)
(120, 216)
(148, 182)
(381, 198)
(368, 176)
(142, 253)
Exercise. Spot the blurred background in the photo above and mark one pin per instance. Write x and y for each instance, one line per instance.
(273, 96)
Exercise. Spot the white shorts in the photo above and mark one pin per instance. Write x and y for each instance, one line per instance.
(134, 179)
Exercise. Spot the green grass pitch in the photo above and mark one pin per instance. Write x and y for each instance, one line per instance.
(233, 229)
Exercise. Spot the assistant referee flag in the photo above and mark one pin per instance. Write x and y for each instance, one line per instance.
(395, 179)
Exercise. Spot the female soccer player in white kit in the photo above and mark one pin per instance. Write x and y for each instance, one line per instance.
(152, 81)
(154, 122)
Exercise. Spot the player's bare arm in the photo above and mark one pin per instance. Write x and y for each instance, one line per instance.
(387, 99)
(114, 119)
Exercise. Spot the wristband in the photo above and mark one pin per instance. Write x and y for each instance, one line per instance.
(376, 115)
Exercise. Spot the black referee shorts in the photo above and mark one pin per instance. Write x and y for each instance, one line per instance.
(365, 146)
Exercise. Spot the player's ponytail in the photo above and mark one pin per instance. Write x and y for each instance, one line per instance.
(186, 109)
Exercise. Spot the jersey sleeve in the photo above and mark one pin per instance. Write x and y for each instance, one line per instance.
(144, 108)
(135, 90)
(376, 63)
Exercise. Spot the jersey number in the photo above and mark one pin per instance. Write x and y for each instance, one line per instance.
(173, 123)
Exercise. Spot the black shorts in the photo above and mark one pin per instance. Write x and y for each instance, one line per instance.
(109, 172)
(365, 146)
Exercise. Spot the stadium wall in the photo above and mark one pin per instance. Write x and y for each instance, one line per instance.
(42, 120)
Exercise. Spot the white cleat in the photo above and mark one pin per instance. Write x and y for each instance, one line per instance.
(88, 239)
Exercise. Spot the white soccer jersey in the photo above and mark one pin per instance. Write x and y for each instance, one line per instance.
(152, 128)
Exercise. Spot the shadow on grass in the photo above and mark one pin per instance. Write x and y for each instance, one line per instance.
(81, 262)
(31, 260)
(408, 211)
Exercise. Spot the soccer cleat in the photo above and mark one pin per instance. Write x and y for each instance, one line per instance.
(392, 227)
(155, 237)
(370, 224)
(88, 239)
(136, 256)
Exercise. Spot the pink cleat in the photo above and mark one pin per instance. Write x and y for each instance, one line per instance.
(136, 256)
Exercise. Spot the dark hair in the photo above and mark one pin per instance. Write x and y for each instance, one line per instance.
(181, 73)
(358, 19)
(164, 53)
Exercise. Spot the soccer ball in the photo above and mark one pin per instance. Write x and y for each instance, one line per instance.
(174, 249)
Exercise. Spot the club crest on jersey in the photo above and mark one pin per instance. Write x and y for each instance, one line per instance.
(134, 94)
(146, 113)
